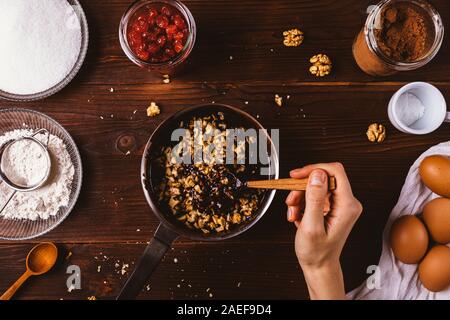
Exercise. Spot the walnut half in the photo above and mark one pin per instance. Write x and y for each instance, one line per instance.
(321, 65)
(293, 38)
(376, 133)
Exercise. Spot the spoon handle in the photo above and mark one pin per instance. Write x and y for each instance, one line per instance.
(10, 292)
(287, 184)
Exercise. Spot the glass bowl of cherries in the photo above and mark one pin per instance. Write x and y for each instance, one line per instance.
(158, 35)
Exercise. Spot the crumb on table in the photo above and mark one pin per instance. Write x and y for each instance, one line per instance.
(153, 110)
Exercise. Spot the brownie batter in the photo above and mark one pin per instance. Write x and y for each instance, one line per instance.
(405, 34)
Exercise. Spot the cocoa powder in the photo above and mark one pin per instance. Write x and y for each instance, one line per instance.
(405, 32)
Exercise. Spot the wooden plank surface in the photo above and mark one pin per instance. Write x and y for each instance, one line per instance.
(323, 120)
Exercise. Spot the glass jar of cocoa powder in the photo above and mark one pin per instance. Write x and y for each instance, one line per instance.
(399, 35)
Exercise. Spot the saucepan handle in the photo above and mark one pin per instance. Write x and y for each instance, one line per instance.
(155, 251)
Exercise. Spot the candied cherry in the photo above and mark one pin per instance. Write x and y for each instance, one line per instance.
(151, 21)
(143, 55)
(142, 47)
(151, 37)
(153, 48)
(158, 31)
(178, 36)
(141, 25)
(172, 29)
(152, 13)
(169, 52)
(166, 11)
(162, 21)
(161, 41)
(179, 21)
(135, 37)
(178, 47)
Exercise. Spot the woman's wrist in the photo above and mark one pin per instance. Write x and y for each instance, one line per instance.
(325, 282)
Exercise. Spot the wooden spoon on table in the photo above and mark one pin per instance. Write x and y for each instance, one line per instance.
(40, 260)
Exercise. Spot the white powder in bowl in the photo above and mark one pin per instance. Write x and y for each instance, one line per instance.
(40, 44)
(24, 163)
(409, 108)
(53, 195)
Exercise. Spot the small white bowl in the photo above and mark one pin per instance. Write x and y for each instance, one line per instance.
(435, 113)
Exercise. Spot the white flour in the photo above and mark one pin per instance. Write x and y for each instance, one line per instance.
(32, 160)
(47, 200)
(40, 44)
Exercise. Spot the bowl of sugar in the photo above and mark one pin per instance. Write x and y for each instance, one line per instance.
(44, 44)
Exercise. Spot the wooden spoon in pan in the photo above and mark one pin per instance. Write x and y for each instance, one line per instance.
(286, 184)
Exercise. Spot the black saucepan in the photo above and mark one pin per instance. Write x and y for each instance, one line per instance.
(170, 228)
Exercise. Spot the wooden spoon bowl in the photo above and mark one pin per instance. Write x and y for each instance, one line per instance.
(40, 260)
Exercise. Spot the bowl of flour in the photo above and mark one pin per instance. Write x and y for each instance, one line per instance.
(44, 44)
(34, 213)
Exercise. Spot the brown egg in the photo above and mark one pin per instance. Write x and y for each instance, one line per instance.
(436, 215)
(409, 239)
(435, 174)
(434, 270)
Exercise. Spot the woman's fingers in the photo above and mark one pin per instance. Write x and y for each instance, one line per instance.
(333, 169)
(327, 207)
(295, 202)
(348, 209)
(294, 214)
(295, 198)
(316, 194)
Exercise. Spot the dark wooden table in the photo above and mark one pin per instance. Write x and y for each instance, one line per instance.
(324, 120)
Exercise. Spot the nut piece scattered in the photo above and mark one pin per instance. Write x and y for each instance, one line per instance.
(92, 298)
(321, 65)
(376, 133)
(153, 110)
(278, 100)
(166, 79)
(293, 38)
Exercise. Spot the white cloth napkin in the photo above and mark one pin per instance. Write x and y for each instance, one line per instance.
(400, 281)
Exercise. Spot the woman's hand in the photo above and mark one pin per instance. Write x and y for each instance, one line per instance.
(320, 239)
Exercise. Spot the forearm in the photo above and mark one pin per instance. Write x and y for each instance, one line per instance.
(325, 283)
